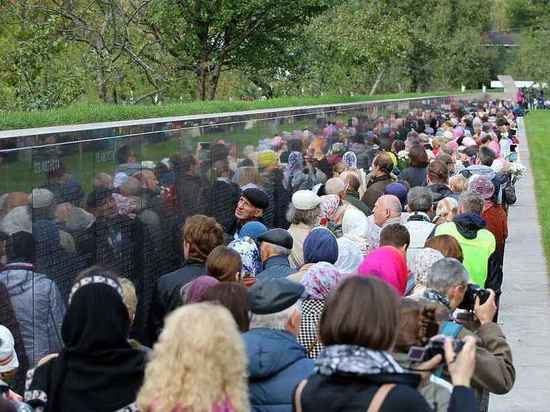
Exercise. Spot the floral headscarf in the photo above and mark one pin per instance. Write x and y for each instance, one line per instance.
(320, 279)
(350, 159)
(422, 262)
(295, 163)
(329, 205)
(250, 255)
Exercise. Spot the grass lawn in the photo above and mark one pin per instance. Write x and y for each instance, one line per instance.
(90, 113)
(538, 130)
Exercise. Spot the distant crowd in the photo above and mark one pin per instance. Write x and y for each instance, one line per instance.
(350, 266)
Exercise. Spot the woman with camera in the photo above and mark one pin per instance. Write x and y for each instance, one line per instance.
(355, 371)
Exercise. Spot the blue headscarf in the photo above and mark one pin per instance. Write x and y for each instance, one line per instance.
(252, 229)
(320, 246)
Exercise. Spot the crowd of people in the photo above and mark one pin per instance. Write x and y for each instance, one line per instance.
(349, 266)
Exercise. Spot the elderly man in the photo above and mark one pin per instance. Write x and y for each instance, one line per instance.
(277, 361)
(250, 207)
(387, 210)
(446, 282)
(478, 244)
(419, 223)
(275, 247)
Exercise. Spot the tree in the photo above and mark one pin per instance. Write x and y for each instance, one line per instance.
(206, 38)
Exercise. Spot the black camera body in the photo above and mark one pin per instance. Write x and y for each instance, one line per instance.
(436, 346)
(472, 292)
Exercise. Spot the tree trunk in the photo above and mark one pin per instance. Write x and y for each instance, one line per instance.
(101, 84)
(213, 82)
(377, 82)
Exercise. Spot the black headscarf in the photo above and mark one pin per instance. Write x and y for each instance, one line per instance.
(97, 370)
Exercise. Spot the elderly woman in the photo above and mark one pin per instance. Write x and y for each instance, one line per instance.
(420, 266)
(319, 281)
(303, 215)
(388, 264)
(98, 369)
(320, 246)
(188, 371)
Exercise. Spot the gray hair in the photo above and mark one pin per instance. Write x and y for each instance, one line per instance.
(308, 217)
(446, 273)
(392, 203)
(278, 250)
(471, 202)
(335, 186)
(276, 321)
(419, 199)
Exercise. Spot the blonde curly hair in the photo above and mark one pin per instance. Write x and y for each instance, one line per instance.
(199, 362)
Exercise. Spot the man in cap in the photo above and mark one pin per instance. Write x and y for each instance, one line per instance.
(275, 247)
(250, 207)
(276, 361)
(303, 215)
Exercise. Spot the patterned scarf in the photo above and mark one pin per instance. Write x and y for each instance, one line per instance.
(354, 360)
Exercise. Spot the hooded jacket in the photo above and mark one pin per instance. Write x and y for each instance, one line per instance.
(478, 244)
(276, 364)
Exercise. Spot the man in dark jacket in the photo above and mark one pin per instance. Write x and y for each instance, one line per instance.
(277, 362)
(251, 206)
(275, 248)
(201, 234)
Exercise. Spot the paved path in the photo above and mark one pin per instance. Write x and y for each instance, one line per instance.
(525, 305)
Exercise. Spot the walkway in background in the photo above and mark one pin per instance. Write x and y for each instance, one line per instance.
(525, 303)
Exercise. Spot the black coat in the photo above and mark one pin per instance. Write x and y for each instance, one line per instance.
(351, 394)
(167, 296)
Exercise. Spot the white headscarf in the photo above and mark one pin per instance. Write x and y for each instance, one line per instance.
(349, 256)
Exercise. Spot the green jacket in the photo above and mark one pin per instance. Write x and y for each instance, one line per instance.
(476, 251)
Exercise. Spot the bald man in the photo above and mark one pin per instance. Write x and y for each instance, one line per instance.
(387, 210)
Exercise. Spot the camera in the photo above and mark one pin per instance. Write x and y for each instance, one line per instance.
(434, 347)
(472, 292)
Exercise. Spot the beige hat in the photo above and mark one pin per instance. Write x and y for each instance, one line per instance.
(41, 198)
(305, 200)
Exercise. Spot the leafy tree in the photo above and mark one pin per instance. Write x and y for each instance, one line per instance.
(207, 38)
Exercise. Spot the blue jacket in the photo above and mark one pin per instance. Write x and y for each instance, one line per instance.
(277, 363)
(276, 267)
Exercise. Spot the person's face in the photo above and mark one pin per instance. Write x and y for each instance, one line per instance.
(107, 208)
(456, 295)
(380, 212)
(264, 251)
(150, 181)
(246, 211)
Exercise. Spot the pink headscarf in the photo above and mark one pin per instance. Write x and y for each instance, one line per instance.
(388, 264)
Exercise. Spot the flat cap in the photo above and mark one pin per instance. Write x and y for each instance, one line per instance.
(257, 197)
(305, 200)
(274, 295)
(278, 237)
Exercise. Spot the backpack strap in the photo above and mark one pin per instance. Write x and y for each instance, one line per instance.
(380, 397)
(298, 396)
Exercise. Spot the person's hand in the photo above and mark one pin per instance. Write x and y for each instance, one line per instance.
(486, 312)
(461, 367)
(12, 396)
(425, 369)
